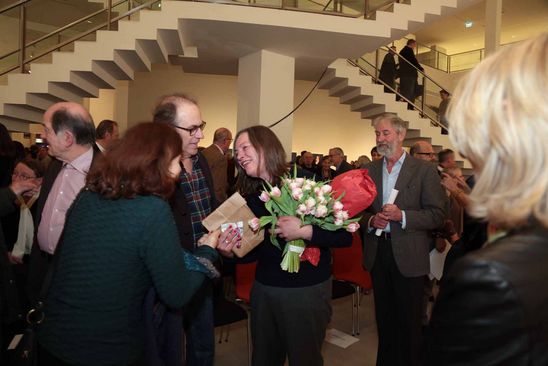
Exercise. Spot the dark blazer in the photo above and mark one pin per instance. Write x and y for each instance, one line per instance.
(492, 306)
(406, 70)
(179, 206)
(218, 165)
(423, 200)
(343, 168)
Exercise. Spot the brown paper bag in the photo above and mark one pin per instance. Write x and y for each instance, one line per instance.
(234, 210)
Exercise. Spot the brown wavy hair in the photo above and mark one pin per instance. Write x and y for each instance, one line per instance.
(269, 146)
(138, 164)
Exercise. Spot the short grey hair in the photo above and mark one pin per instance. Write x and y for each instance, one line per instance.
(399, 124)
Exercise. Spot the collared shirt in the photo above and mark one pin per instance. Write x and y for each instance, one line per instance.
(198, 197)
(100, 147)
(221, 150)
(69, 182)
(389, 182)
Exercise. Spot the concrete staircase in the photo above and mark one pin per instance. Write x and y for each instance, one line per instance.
(357, 90)
(168, 34)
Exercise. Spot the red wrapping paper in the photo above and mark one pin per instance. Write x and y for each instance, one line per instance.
(311, 254)
(359, 189)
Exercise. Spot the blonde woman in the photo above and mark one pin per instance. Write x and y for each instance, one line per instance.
(493, 307)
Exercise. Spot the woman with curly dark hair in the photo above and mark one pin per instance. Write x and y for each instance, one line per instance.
(120, 240)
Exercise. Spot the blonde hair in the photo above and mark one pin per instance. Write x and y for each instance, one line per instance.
(499, 121)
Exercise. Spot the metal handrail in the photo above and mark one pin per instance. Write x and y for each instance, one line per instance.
(14, 5)
(81, 35)
(418, 70)
(376, 79)
(59, 30)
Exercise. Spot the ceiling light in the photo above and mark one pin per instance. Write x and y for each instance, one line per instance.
(468, 24)
(89, 21)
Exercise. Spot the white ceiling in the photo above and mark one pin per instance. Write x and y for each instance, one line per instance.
(520, 20)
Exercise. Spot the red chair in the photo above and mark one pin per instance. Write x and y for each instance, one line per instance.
(244, 277)
(348, 267)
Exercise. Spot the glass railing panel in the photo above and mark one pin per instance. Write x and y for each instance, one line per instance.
(465, 61)
(9, 25)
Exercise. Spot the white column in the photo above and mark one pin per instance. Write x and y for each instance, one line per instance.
(493, 15)
(266, 83)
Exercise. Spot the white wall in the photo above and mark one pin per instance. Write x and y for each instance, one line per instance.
(319, 124)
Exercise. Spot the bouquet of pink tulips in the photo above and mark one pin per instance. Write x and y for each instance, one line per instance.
(313, 203)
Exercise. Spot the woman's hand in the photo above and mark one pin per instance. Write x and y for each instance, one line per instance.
(210, 239)
(229, 239)
(290, 228)
(21, 186)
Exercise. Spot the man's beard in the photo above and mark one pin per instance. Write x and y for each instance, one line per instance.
(386, 149)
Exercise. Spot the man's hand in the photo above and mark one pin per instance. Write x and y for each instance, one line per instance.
(392, 212)
(379, 221)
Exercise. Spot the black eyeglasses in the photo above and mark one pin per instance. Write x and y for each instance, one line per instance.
(426, 154)
(192, 131)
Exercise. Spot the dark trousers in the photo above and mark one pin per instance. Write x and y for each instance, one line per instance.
(408, 85)
(289, 322)
(39, 263)
(398, 308)
(199, 329)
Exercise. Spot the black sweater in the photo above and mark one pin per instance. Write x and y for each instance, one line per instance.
(269, 257)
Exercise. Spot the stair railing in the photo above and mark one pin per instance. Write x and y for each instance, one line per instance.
(23, 45)
(22, 62)
(374, 76)
(425, 80)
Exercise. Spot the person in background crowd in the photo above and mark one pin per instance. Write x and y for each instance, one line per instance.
(193, 200)
(442, 109)
(362, 161)
(308, 162)
(19, 150)
(107, 133)
(408, 72)
(7, 156)
(446, 159)
(338, 160)
(423, 150)
(215, 155)
(491, 309)
(324, 169)
(8, 197)
(398, 259)
(70, 132)
(42, 156)
(389, 70)
(375, 155)
(289, 311)
(119, 240)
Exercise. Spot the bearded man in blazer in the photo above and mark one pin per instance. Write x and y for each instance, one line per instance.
(398, 259)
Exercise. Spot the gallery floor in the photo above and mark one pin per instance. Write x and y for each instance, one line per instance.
(362, 352)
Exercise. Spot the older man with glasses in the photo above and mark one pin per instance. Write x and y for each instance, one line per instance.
(193, 200)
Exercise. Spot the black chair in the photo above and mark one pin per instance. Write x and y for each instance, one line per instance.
(342, 289)
(225, 313)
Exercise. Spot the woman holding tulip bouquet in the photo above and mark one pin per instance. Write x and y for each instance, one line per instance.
(289, 311)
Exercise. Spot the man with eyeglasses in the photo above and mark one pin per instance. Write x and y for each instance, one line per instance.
(215, 155)
(193, 200)
(423, 150)
(336, 154)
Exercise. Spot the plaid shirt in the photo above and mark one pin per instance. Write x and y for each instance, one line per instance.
(198, 197)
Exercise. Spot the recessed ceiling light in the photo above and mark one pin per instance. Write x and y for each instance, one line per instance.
(468, 24)
(513, 36)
